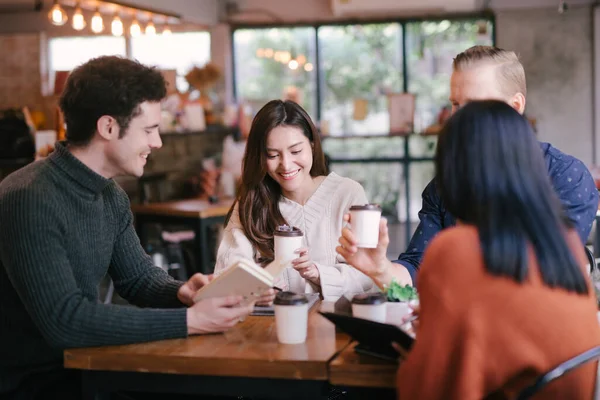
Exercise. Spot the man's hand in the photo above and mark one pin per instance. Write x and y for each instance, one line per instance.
(216, 315)
(186, 293)
(371, 262)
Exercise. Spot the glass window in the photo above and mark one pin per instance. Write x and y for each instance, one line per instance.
(276, 63)
(178, 51)
(66, 53)
(431, 47)
(360, 65)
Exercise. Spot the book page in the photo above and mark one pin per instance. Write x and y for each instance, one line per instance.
(275, 268)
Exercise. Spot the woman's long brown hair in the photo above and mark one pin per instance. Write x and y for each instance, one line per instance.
(258, 195)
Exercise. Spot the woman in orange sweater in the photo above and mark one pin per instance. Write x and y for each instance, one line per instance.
(504, 295)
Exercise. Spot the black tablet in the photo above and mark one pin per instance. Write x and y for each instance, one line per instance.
(374, 338)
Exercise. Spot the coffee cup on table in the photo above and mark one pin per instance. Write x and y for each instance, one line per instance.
(291, 317)
(371, 306)
(287, 239)
(364, 220)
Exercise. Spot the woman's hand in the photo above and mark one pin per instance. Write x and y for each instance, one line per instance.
(266, 298)
(307, 269)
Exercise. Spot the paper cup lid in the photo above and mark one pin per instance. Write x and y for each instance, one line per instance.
(367, 207)
(290, 299)
(369, 298)
(288, 231)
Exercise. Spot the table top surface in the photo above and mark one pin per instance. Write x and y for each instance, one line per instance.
(250, 349)
(350, 368)
(191, 208)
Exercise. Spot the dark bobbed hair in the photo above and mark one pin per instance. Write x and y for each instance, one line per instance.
(259, 195)
(107, 85)
(490, 173)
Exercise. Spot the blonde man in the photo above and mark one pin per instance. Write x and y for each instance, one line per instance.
(479, 73)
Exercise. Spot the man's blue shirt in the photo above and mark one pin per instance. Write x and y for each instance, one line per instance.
(571, 180)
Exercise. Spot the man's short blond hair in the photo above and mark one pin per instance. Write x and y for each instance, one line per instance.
(509, 70)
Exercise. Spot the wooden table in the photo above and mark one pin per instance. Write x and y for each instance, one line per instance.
(350, 368)
(198, 214)
(247, 360)
(365, 376)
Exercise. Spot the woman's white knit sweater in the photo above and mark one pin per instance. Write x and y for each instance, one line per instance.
(321, 220)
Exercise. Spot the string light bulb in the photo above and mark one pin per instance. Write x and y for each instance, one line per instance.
(150, 29)
(135, 29)
(57, 15)
(166, 30)
(97, 22)
(78, 21)
(116, 27)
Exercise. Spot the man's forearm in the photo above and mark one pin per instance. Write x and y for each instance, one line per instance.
(392, 271)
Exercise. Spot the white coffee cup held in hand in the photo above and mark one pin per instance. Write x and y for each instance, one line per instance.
(371, 306)
(287, 239)
(364, 220)
(291, 317)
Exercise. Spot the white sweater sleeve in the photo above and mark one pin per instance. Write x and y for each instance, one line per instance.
(342, 279)
(234, 244)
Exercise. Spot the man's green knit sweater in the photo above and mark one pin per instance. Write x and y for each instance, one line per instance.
(62, 228)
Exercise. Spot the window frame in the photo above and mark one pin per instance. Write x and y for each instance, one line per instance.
(485, 15)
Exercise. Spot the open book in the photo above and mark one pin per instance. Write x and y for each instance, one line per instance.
(243, 278)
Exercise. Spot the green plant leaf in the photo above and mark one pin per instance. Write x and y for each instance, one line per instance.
(396, 292)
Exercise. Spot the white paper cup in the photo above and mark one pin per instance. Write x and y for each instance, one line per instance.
(227, 182)
(286, 244)
(291, 317)
(371, 306)
(365, 224)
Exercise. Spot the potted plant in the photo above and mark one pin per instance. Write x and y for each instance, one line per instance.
(400, 298)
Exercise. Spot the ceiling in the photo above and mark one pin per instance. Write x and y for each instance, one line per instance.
(203, 12)
(206, 12)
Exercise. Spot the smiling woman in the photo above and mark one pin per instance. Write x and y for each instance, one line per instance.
(284, 181)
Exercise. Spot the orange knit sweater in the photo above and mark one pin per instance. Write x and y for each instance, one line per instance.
(481, 333)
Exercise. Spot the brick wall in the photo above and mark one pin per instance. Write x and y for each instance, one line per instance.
(21, 77)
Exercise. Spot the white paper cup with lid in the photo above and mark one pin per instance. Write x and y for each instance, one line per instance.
(291, 317)
(371, 306)
(287, 239)
(364, 220)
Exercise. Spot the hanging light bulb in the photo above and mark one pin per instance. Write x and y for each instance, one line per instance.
(166, 30)
(116, 27)
(57, 14)
(308, 67)
(134, 29)
(151, 29)
(97, 22)
(78, 19)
